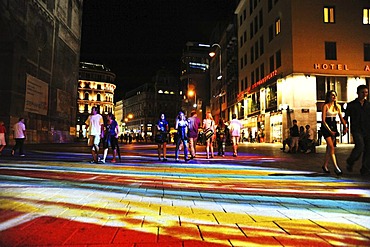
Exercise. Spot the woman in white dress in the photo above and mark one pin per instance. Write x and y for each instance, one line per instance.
(209, 123)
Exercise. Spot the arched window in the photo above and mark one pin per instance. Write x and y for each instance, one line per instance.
(86, 108)
(98, 97)
(86, 96)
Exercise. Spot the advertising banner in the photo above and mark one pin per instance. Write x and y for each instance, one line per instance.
(36, 100)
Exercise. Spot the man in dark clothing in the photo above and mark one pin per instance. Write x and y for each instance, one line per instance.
(294, 133)
(194, 123)
(358, 112)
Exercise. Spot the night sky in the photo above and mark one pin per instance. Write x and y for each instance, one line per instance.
(135, 38)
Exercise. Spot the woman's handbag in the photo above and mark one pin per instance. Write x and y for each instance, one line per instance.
(158, 138)
(208, 133)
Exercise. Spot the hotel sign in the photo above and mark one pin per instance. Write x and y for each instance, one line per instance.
(330, 66)
(333, 66)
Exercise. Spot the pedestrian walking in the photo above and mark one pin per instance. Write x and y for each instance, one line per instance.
(20, 136)
(330, 111)
(358, 112)
(221, 131)
(95, 126)
(194, 123)
(294, 134)
(182, 127)
(162, 137)
(235, 127)
(2, 137)
(111, 138)
(209, 125)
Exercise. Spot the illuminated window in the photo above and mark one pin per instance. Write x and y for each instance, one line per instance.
(329, 15)
(366, 17)
(330, 50)
(277, 27)
(326, 83)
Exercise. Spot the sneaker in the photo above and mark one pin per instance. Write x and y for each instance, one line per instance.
(308, 151)
(177, 160)
(92, 162)
(164, 159)
(113, 161)
(22, 155)
(101, 161)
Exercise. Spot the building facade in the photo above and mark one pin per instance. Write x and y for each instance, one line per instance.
(119, 114)
(224, 71)
(95, 88)
(39, 54)
(143, 105)
(195, 82)
(291, 53)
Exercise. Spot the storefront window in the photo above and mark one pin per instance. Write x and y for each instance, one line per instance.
(255, 103)
(324, 84)
(271, 97)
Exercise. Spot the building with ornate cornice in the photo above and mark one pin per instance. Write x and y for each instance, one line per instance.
(39, 55)
(95, 88)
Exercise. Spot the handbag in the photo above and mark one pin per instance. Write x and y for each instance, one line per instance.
(208, 133)
(158, 138)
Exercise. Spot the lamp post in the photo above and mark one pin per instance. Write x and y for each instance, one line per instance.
(212, 54)
(219, 77)
(192, 93)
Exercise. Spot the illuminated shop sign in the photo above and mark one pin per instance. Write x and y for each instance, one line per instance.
(330, 66)
(333, 66)
(259, 83)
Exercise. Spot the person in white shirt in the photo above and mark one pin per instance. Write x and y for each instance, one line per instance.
(209, 123)
(95, 125)
(235, 128)
(19, 136)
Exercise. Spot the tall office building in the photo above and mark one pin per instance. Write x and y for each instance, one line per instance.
(291, 53)
(195, 84)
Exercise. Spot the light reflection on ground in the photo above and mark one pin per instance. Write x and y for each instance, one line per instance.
(229, 205)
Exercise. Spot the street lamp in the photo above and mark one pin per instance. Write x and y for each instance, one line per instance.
(192, 93)
(212, 54)
(219, 77)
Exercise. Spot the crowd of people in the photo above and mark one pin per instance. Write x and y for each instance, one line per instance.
(300, 139)
(187, 134)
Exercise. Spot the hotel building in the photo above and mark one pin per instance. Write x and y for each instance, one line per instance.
(291, 53)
